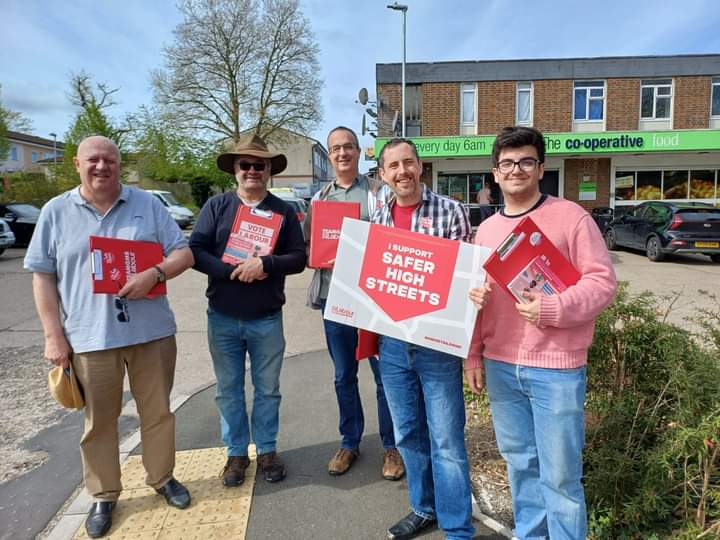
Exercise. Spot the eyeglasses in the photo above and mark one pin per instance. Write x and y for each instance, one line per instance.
(348, 147)
(121, 304)
(526, 165)
(259, 166)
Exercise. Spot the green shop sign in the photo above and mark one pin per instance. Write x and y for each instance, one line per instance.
(604, 142)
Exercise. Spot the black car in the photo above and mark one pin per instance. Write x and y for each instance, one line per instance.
(663, 228)
(22, 218)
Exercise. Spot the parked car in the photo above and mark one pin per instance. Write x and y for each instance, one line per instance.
(22, 218)
(602, 215)
(297, 203)
(663, 228)
(183, 216)
(7, 237)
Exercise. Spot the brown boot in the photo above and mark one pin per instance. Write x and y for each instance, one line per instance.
(234, 472)
(271, 466)
(342, 460)
(393, 467)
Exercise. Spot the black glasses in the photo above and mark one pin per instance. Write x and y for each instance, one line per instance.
(121, 304)
(259, 166)
(526, 165)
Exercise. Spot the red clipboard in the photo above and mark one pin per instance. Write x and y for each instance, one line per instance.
(528, 261)
(327, 219)
(367, 344)
(254, 233)
(114, 261)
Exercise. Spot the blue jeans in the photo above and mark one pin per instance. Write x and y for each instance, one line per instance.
(263, 340)
(425, 393)
(540, 428)
(342, 341)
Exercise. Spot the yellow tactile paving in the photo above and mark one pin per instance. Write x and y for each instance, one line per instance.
(215, 511)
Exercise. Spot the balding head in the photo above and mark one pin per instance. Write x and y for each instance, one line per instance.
(97, 141)
(98, 164)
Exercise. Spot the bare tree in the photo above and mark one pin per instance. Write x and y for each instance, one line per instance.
(238, 65)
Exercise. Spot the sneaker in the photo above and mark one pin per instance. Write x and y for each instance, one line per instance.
(234, 472)
(393, 466)
(342, 460)
(271, 466)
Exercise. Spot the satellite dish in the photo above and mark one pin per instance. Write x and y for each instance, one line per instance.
(363, 96)
(364, 126)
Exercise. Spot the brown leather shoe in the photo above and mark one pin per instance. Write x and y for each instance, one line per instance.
(234, 472)
(271, 466)
(393, 466)
(342, 460)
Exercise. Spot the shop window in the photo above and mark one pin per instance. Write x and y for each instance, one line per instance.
(655, 99)
(702, 184)
(454, 186)
(715, 107)
(675, 184)
(624, 185)
(589, 100)
(524, 101)
(649, 185)
(413, 110)
(468, 109)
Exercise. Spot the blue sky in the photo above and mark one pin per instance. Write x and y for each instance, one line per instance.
(120, 41)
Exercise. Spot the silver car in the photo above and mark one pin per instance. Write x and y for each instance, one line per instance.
(7, 237)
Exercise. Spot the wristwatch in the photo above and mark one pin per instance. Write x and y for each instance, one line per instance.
(161, 277)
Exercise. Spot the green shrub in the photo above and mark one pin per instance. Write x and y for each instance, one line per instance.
(653, 435)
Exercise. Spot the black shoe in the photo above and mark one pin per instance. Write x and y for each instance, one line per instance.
(409, 527)
(175, 494)
(271, 466)
(99, 519)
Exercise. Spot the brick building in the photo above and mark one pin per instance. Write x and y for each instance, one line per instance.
(617, 130)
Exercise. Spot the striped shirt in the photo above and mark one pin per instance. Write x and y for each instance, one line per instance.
(436, 216)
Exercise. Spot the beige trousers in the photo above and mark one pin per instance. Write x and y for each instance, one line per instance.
(151, 370)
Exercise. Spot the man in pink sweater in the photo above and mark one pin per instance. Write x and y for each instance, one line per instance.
(535, 353)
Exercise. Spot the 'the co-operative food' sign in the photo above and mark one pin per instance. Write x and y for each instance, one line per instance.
(406, 285)
(603, 142)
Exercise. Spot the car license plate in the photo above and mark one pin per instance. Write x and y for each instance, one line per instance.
(707, 244)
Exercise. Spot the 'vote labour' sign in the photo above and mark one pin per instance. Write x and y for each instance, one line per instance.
(406, 273)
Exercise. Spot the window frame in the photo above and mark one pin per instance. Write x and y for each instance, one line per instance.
(714, 87)
(587, 86)
(655, 84)
(531, 91)
(467, 88)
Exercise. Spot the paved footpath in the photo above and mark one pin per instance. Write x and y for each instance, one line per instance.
(308, 504)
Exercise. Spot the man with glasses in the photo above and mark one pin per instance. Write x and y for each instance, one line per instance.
(350, 186)
(245, 307)
(105, 336)
(535, 352)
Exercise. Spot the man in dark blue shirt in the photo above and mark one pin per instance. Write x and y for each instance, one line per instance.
(245, 307)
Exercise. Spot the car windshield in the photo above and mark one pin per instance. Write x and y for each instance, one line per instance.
(700, 214)
(24, 210)
(170, 198)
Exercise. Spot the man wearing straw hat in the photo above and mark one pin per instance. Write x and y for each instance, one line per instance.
(105, 336)
(245, 306)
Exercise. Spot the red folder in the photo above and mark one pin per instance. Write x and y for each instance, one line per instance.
(114, 261)
(254, 233)
(327, 219)
(367, 344)
(528, 261)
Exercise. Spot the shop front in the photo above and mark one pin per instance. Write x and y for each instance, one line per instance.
(604, 169)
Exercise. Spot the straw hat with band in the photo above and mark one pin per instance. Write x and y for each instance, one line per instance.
(65, 388)
(251, 146)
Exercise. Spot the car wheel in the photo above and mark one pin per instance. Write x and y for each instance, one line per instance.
(610, 239)
(715, 257)
(653, 249)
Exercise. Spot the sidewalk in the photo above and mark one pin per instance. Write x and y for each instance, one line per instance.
(309, 503)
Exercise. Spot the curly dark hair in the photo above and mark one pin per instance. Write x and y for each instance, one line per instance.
(517, 136)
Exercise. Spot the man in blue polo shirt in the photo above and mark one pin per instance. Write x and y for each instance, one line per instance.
(104, 336)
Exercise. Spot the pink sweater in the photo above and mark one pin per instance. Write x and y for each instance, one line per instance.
(567, 320)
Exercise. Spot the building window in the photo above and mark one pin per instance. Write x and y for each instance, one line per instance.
(715, 107)
(655, 99)
(589, 100)
(468, 106)
(34, 157)
(413, 110)
(14, 153)
(524, 101)
(665, 185)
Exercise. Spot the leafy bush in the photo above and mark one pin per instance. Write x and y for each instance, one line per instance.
(35, 188)
(653, 435)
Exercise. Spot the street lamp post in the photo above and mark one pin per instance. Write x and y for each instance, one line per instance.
(403, 8)
(54, 136)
